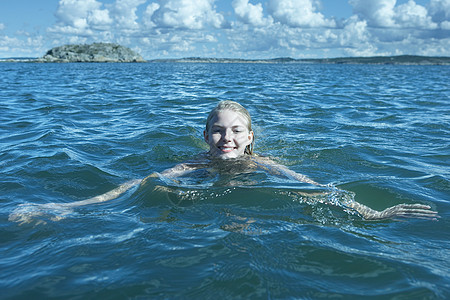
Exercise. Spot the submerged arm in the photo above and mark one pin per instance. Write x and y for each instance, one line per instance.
(341, 198)
(179, 170)
(176, 171)
(346, 199)
(280, 170)
(28, 212)
(419, 211)
(113, 194)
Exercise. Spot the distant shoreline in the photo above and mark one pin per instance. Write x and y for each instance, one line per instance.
(374, 60)
(379, 60)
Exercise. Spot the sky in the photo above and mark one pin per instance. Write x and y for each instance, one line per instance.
(246, 29)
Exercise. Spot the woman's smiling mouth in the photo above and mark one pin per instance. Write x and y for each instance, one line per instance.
(226, 149)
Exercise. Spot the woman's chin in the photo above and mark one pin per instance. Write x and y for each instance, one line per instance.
(225, 155)
(228, 155)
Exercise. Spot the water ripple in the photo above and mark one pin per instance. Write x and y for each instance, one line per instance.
(73, 131)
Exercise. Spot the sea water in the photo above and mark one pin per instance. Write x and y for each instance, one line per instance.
(69, 132)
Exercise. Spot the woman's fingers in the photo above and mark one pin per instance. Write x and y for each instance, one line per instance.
(411, 211)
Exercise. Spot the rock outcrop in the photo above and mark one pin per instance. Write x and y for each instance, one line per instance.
(96, 52)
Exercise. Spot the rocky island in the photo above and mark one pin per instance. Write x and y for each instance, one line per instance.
(96, 52)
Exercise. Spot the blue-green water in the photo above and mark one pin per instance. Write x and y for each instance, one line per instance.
(73, 131)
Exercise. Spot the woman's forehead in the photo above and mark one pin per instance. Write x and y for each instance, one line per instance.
(229, 117)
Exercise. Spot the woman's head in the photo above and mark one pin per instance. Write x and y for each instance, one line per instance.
(229, 131)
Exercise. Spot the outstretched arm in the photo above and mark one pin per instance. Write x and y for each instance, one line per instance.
(28, 212)
(113, 194)
(279, 170)
(346, 200)
(179, 170)
(398, 211)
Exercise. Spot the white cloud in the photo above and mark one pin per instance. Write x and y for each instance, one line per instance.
(249, 13)
(355, 38)
(407, 28)
(385, 13)
(90, 18)
(6, 41)
(210, 38)
(377, 13)
(124, 13)
(16, 47)
(414, 45)
(2, 26)
(246, 43)
(99, 18)
(411, 15)
(354, 32)
(440, 10)
(77, 16)
(149, 11)
(298, 13)
(186, 14)
(445, 25)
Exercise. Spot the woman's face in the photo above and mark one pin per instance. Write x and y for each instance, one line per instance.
(228, 134)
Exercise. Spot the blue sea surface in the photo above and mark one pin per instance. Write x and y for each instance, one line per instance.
(69, 132)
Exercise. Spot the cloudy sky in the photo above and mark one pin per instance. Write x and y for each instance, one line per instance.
(230, 28)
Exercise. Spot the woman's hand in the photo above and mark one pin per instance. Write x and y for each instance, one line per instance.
(419, 211)
(30, 212)
(409, 211)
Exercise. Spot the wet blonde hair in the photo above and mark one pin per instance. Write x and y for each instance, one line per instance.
(236, 107)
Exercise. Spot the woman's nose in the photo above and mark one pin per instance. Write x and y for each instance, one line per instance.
(227, 135)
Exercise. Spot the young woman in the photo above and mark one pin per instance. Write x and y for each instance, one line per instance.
(230, 138)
